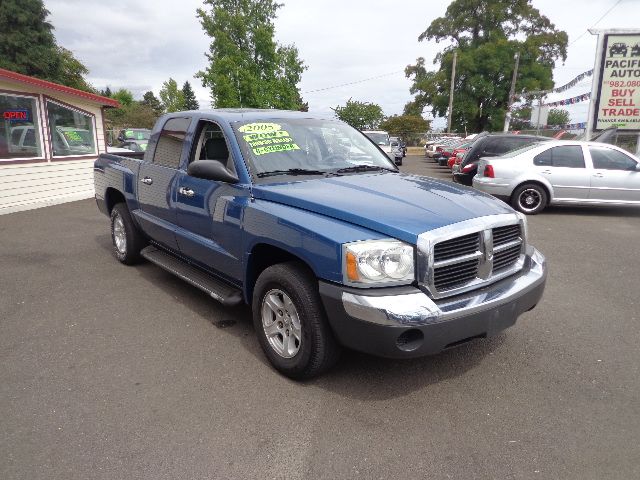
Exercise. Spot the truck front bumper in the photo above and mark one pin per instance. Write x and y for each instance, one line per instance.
(404, 322)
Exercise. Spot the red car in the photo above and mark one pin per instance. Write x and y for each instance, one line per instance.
(454, 155)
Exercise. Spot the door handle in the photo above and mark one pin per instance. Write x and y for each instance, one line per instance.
(598, 175)
(187, 192)
(547, 172)
(147, 180)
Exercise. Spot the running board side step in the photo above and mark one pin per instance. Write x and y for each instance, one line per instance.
(218, 290)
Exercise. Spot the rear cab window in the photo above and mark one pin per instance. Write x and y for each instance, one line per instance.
(168, 151)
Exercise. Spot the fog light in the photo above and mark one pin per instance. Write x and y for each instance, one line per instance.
(410, 340)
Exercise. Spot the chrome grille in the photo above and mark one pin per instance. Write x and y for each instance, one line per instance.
(456, 247)
(506, 258)
(452, 276)
(470, 254)
(506, 234)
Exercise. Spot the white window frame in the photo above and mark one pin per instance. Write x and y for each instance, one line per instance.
(41, 127)
(48, 100)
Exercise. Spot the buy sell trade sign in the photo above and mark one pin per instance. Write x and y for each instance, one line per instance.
(619, 89)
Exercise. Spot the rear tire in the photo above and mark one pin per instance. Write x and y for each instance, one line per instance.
(529, 198)
(125, 236)
(290, 322)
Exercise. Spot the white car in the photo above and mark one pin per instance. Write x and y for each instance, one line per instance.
(382, 139)
(561, 172)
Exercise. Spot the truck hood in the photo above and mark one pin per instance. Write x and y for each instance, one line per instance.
(394, 204)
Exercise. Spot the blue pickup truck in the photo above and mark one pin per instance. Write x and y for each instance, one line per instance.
(306, 220)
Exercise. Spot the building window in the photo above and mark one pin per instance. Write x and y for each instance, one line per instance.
(72, 133)
(19, 128)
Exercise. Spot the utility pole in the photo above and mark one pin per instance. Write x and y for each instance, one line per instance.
(512, 93)
(453, 78)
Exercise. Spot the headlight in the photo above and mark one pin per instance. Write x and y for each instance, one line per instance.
(378, 262)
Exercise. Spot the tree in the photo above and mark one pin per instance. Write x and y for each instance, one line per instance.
(124, 96)
(360, 115)
(190, 101)
(28, 46)
(247, 67)
(171, 96)
(486, 35)
(151, 101)
(558, 116)
(135, 114)
(106, 92)
(409, 127)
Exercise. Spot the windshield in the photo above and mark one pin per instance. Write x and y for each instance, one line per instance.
(518, 151)
(378, 138)
(299, 145)
(137, 134)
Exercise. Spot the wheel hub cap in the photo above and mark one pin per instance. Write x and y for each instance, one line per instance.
(281, 323)
(119, 235)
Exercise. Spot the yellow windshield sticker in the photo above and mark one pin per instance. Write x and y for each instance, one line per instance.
(260, 127)
(275, 148)
(267, 138)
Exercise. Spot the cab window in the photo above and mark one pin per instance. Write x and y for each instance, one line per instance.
(568, 156)
(211, 145)
(169, 148)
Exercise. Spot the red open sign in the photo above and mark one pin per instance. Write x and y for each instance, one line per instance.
(16, 115)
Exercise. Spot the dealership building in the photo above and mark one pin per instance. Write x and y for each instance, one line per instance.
(50, 136)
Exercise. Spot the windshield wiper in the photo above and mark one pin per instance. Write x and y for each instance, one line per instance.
(291, 171)
(363, 168)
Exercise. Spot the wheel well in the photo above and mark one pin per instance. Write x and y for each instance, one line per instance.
(533, 182)
(262, 257)
(113, 197)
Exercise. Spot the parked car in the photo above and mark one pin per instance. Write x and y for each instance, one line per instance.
(401, 143)
(561, 172)
(457, 152)
(304, 219)
(140, 134)
(490, 145)
(135, 145)
(435, 147)
(383, 140)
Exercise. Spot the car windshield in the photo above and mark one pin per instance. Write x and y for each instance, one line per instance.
(307, 146)
(378, 138)
(137, 134)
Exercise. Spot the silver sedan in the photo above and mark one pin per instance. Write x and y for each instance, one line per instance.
(561, 172)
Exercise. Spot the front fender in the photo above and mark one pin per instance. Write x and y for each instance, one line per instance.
(313, 238)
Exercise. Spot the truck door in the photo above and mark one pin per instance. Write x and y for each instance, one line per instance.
(156, 183)
(210, 212)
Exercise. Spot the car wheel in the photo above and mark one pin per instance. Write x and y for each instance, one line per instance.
(125, 236)
(529, 198)
(290, 322)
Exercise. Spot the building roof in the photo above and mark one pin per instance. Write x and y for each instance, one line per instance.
(74, 92)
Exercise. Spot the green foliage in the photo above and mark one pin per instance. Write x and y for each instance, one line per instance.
(190, 101)
(151, 101)
(409, 127)
(360, 115)
(558, 116)
(486, 35)
(133, 115)
(28, 46)
(171, 96)
(124, 96)
(248, 68)
(106, 92)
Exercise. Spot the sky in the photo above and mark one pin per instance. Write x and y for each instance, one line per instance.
(140, 45)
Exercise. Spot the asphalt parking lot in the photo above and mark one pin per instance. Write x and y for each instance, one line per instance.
(114, 372)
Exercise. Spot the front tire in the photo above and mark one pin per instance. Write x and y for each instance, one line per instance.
(290, 322)
(530, 199)
(125, 236)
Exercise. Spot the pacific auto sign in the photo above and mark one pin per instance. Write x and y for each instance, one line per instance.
(619, 89)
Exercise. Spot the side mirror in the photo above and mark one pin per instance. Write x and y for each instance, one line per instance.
(637, 167)
(211, 170)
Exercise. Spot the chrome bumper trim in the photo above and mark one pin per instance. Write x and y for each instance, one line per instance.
(419, 309)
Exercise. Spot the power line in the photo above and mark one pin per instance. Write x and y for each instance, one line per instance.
(597, 22)
(353, 83)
